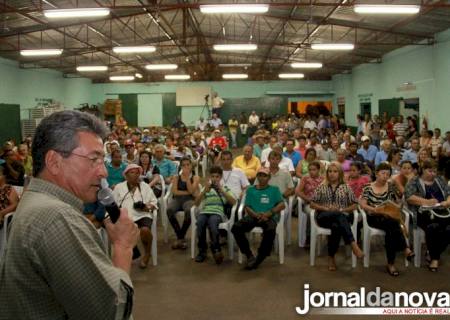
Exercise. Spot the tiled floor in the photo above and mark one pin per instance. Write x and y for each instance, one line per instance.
(179, 288)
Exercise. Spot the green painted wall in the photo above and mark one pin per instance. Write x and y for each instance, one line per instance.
(24, 86)
(427, 67)
(150, 110)
(227, 90)
(231, 89)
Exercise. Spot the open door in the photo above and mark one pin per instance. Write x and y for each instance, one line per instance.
(366, 108)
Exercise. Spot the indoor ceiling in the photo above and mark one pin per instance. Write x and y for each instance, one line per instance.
(185, 36)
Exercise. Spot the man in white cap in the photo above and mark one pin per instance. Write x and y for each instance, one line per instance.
(367, 151)
(140, 201)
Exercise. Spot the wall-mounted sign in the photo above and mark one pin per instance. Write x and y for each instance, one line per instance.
(365, 97)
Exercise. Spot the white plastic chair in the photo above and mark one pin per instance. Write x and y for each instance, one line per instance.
(317, 231)
(226, 225)
(162, 204)
(303, 216)
(154, 231)
(288, 218)
(368, 233)
(166, 200)
(279, 238)
(418, 238)
(163, 209)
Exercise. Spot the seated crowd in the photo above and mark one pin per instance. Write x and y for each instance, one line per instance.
(317, 159)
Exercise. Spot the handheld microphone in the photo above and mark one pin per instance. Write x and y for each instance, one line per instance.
(105, 197)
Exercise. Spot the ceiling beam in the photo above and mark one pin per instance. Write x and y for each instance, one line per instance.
(280, 31)
(65, 34)
(351, 24)
(161, 6)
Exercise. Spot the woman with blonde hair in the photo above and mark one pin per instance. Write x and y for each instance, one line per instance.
(335, 202)
(423, 155)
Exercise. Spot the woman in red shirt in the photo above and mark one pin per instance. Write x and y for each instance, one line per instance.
(355, 180)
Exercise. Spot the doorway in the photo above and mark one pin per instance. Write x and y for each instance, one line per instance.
(365, 108)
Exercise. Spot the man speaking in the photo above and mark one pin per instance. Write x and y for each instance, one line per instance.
(55, 265)
(217, 104)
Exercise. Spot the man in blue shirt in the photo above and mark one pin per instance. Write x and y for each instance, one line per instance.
(115, 169)
(411, 154)
(263, 203)
(166, 167)
(382, 155)
(292, 154)
(367, 150)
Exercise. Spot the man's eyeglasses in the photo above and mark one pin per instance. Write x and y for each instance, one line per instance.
(95, 160)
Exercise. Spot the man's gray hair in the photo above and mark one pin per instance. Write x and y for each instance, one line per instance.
(58, 132)
(159, 146)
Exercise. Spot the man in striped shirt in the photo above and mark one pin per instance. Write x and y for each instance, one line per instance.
(215, 197)
(400, 127)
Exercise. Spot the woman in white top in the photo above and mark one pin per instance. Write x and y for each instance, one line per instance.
(140, 201)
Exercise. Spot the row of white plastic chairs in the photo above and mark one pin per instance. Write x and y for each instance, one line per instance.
(283, 225)
(369, 232)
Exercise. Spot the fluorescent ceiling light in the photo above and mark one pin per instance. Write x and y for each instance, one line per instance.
(230, 65)
(161, 66)
(138, 75)
(235, 47)
(306, 65)
(135, 49)
(77, 13)
(41, 52)
(386, 9)
(291, 75)
(235, 76)
(234, 8)
(121, 78)
(177, 77)
(91, 68)
(333, 46)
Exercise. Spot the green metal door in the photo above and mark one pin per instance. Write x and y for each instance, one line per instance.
(170, 110)
(130, 108)
(390, 106)
(10, 123)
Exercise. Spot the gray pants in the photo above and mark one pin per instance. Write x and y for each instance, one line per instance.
(181, 203)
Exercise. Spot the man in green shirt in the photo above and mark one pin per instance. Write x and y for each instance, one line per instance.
(263, 203)
(215, 196)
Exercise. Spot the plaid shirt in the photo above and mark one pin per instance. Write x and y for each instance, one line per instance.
(341, 197)
(55, 265)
